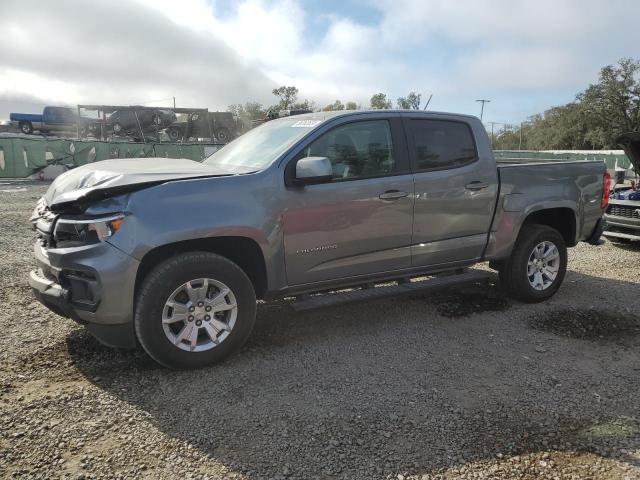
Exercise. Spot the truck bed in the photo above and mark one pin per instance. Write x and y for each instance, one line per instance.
(528, 185)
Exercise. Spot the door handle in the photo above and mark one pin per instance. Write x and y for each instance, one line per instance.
(476, 185)
(392, 195)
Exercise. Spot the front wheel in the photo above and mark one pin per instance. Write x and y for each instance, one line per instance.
(537, 265)
(194, 309)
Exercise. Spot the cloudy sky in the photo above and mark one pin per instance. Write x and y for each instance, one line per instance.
(523, 55)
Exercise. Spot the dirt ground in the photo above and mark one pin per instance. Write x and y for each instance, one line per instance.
(463, 383)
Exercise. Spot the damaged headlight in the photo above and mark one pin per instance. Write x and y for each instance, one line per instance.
(74, 232)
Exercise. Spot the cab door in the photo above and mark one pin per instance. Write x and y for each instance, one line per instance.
(360, 222)
(456, 189)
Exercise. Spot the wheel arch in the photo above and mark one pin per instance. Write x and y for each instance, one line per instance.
(243, 251)
(562, 219)
(509, 224)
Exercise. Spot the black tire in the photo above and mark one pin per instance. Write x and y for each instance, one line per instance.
(170, 275)
(223, 135)
(26, 128)
(513, 272)
(175, 134)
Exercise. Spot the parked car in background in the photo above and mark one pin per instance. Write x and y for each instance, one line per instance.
(52, 120)
(134, 121)
(173, 253)
(222, 125)
(622, 218)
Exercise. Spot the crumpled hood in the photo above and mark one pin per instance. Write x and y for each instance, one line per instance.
(112, 177)
(630, 142)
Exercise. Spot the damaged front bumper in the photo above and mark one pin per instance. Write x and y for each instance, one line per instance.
(67, 282)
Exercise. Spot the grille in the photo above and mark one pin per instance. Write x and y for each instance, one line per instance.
(627, 211)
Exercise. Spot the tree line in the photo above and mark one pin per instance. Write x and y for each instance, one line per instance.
(287, 99)
(592, 121)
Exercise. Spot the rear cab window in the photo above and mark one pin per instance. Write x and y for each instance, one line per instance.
(441, 144)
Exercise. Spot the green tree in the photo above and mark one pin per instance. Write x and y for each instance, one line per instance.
(248, 113)
(613, 103)
(379, 101)
(351, 106)
(337, 105)
(410, 102)
(304, 105)
(287, 96)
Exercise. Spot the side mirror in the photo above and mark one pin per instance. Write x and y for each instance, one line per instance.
(312, 170)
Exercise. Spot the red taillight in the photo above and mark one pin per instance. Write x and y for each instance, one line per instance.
(606, 189)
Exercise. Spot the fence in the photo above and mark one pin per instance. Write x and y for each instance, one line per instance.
(21, 157)
(610, 157)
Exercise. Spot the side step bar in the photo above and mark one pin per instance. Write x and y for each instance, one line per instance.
(310, 302)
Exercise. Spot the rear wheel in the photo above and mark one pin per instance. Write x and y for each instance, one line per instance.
(26, 128)
(175, 134)
(223, 135)
(194, 310)
(537, 265)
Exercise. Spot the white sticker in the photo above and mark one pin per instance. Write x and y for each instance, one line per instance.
(306, 123)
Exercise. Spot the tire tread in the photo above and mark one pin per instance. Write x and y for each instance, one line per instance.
(511, 274)
(165, 270)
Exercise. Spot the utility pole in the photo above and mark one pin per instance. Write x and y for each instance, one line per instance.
(520, 145)
(174, 102)
(428, 102)
(492, 125)
(483, 101)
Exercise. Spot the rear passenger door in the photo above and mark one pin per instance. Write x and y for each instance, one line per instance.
(455, 193)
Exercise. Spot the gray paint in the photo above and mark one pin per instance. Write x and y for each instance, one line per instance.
(325, 235)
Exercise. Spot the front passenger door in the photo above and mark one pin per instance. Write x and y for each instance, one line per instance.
(360, 222)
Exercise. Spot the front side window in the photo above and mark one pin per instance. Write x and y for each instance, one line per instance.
(356, 150)
(442, 144)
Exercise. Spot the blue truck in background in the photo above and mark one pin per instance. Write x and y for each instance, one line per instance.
(52, 120)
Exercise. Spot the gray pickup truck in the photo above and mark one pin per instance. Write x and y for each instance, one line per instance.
(172, 254)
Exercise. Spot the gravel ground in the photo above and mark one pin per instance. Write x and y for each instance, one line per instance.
(460, 384)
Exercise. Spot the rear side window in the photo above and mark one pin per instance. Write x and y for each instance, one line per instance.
(441, 144)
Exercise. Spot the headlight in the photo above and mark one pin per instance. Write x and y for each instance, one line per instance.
(74, 232)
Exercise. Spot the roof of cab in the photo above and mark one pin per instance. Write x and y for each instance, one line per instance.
(323, 116)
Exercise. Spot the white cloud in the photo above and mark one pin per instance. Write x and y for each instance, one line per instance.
(119, 51)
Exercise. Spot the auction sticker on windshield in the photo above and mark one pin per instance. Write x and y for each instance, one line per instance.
(306, 123)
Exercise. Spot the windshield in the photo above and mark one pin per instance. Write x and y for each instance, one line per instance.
(257, 148)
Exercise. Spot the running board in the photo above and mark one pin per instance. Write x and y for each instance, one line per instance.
(311, 302)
